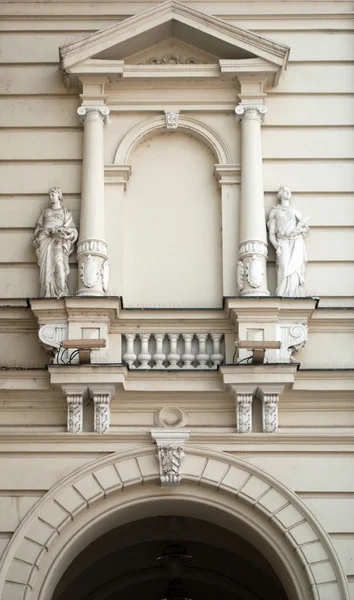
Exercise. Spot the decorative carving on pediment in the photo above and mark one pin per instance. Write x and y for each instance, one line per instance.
(173, 59)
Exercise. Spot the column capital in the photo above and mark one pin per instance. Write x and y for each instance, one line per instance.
(94, 113)
(255, 112)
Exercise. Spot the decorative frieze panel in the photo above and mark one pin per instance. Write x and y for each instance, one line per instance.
(170, 453)
(187, 351)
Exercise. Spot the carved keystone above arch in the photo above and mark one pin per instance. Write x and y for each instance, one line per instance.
(240, 486)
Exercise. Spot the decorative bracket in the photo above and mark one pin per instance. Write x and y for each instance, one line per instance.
(51, 337)
(75, 414)
(244, 413)
(171, 119)
(170, 448)
(270, 413)
(293, 337)
(102, 396)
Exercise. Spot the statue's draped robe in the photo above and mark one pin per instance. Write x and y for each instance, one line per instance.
(292, 259)
(53, 251)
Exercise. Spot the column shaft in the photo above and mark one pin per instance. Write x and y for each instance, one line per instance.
(252, 272)
(92, 248)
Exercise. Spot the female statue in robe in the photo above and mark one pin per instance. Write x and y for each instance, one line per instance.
(54, 239)
(287, 232)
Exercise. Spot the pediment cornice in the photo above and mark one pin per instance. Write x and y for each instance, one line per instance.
(104, 52)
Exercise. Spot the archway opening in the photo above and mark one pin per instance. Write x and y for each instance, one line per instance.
(170, 556)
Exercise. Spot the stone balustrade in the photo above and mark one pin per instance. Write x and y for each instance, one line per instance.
(177, 351)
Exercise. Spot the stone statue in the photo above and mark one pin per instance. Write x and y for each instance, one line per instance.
(54, 239)
(287, 232)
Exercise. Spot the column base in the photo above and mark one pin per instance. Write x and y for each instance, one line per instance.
(255, 293)
(93, 268)
(252, 269)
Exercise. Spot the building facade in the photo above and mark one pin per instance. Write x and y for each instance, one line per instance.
(177, 315)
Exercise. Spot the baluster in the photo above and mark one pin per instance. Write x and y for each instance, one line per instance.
(144, 357)
(130, 356)
(202, 356)
(159, 357)
(173, 357)
(187, 356)
(216, 356)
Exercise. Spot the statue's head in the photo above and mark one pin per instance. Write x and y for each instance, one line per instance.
(55, 195)
(284, 195)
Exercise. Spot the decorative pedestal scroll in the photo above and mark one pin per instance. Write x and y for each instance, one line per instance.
(253, 250)
(102, 408)
(170, 448)
(93, 269)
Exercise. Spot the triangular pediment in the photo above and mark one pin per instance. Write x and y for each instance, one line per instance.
(173, 52)
(156, 32)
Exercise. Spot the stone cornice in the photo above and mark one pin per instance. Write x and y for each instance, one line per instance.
(228, 442)
(85, 48)
(18, 319)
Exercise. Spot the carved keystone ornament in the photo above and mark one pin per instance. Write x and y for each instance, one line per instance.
(170, 448)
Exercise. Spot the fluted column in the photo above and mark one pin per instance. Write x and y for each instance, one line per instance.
(92, 248)
(253, 249)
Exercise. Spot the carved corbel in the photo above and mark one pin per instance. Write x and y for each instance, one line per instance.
(102, 396)
(244, 413)
(243, 396)
(269, 397)
(270, 413)
(74, 400)
(170, 452)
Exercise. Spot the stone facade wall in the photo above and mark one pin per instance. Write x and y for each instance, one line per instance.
(308, 144)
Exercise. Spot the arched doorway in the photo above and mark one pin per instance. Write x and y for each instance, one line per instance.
(217, 488)
(152, 558)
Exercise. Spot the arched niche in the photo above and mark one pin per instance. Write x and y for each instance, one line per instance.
(220, 488)
(178, 228)
(187, 124)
